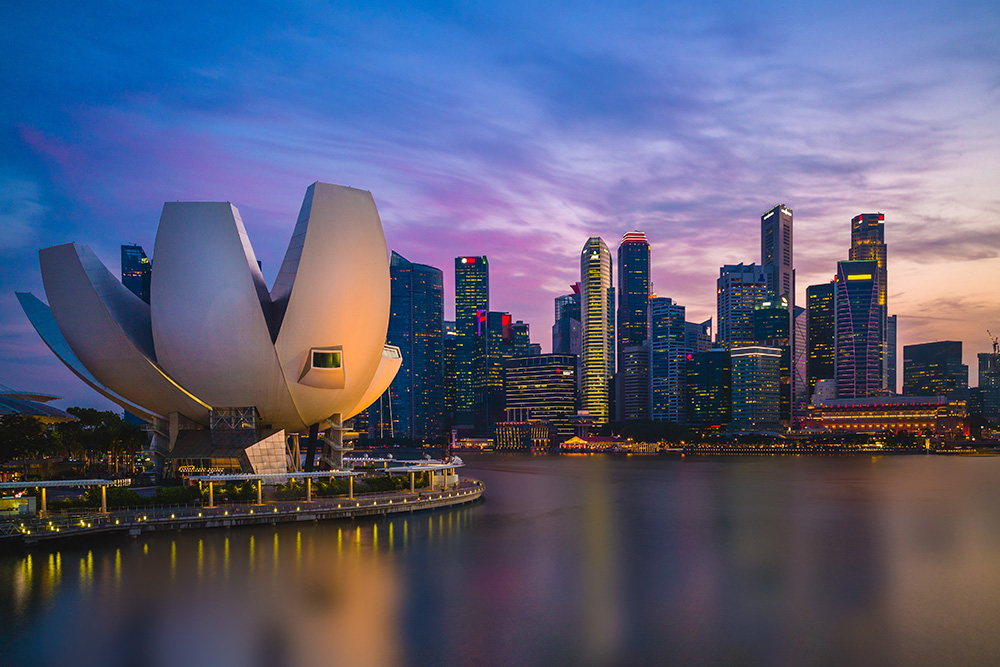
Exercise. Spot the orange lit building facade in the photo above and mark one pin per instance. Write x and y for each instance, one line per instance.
(923, 415)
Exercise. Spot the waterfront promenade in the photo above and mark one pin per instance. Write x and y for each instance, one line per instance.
(135, 521)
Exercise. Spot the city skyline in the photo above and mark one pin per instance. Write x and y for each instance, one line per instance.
(680, 122)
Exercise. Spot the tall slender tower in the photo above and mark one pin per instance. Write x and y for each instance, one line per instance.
(472, 296)
(859, 333)
(632, 377)
(495, 342)
(868, 243)
(778, 261)
(416, 320)
(597, 315)
(776, 257)
(633, 291)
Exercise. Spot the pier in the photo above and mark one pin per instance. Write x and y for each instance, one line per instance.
(47, 527)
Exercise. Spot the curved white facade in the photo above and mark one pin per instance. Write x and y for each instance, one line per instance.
(213, 336)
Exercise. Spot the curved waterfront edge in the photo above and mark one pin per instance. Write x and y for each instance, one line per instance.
(136, 522)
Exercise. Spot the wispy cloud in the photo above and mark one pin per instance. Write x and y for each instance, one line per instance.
(516, 131)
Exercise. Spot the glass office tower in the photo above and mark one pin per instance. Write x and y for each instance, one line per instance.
(416, 324)
(739, 289)
(858, 339)
(472, 295)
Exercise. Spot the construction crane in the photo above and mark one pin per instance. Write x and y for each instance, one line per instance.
(996, 343)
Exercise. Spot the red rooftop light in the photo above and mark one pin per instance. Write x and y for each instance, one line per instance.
(634, 237)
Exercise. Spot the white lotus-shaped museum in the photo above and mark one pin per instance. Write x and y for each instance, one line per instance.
(213, 336)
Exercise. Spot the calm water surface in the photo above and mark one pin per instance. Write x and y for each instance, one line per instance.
(570, 560)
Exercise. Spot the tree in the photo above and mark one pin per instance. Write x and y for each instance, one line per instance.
(23, 438)
(100, 433)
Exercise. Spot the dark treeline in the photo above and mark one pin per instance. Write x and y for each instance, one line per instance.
(102, 441)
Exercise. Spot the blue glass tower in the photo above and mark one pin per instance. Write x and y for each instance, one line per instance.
(416, 323)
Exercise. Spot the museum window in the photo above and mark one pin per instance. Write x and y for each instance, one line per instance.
(325, 359)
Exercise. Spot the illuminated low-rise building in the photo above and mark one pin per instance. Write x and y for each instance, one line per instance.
(924, 415)
(521, 437)
(521, 433)
(592, 443)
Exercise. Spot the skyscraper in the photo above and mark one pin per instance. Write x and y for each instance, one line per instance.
(820, 331)
(597, 316)
(709, 388)
(632, 383)
(416, 318)
(668, 358)
(472, 295)
(868, 244)
(633, 378)
(136, 271)
(771, 328)
(800, 383)
(989, 383)
(698, 336)
(633, 290)
(545, 385)
(776, 254)
(567, 330)
(890, 354)
(778, 262)
(739, 289)
(756, 400)
(495, 343)
(935, 369)
(520, 339)
(858, 341)
(449, 349)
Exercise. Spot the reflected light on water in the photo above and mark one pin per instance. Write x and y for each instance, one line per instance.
(334, 607)
(581, 560)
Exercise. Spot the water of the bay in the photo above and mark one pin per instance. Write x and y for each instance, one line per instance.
(589, 560)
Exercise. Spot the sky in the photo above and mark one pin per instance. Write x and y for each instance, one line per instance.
(515, 130)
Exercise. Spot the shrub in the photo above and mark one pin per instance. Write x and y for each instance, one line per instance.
(177, 495)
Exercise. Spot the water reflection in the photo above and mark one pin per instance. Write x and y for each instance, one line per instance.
(324, 601)
(569, 561)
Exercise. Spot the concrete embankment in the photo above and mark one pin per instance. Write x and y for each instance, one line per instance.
(138, 521)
